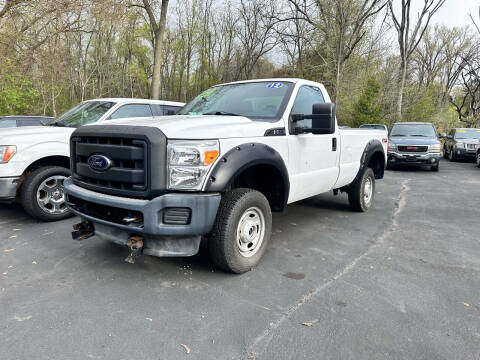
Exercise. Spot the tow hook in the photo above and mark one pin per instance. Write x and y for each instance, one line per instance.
(82, 231)
(135, 243)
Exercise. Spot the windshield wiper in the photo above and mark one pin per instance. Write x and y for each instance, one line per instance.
(221, 113)
(398, 135)
(420, 135)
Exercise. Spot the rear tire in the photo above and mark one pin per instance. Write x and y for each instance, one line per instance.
(362, 191)
(42, 195)
(241, 231)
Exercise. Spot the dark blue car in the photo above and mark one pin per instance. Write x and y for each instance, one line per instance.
(414, 143)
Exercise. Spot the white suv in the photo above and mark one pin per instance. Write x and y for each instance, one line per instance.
(34, 161)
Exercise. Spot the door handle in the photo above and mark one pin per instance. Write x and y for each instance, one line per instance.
(334, 144)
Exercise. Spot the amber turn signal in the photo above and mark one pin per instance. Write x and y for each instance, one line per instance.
(210, 156)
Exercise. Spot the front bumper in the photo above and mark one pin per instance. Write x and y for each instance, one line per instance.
(162, 237)
(8, 188)
(464, 153)
(395, 158)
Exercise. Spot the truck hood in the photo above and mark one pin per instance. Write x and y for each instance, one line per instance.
(203, 126)
(413, 140)
(30, 135)
(468, 141)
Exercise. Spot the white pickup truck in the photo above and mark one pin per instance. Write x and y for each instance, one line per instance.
(34, 161)
(233, 155)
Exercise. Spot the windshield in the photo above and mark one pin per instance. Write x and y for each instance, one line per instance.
(422, 130)
(264, 100)
(82, 114)
(467, 134)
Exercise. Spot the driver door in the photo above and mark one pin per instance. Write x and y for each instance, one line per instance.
(314, 157)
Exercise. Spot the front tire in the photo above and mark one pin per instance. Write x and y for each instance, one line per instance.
(362, 191)
(451, 156)
(241, 231)
(478, 160)
(435, 167)
(42, 193)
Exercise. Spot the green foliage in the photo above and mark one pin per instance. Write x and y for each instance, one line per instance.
(422, 105)
(366, 109)
(17, 95)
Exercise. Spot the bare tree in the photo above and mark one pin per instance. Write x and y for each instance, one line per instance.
(409, 37)
(342, 25)
(158, 30)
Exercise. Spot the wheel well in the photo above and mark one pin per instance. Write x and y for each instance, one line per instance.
(266, 179)
(377, 164)
(62, 161)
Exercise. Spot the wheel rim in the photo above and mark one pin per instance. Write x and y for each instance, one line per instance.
(51, 195)
(368, 191)
(250, 232)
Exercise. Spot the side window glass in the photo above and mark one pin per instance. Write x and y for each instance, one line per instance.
(30, 122)
(8, 123)
(132, 110)
(170, 110)
(306, 97)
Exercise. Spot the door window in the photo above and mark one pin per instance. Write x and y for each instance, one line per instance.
(306, 97)
(132, 110)
(7, 123)
(170, 110)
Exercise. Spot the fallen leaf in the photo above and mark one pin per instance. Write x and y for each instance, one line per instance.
(16, 229)
(292, 223)
(466, 304)
(309, 324)
(371, 266)
(5, 273)
(187, 349)
(149, 319)
(34, 262)
(13, 236)
(10, 266)
(22, 318)
(8, 250)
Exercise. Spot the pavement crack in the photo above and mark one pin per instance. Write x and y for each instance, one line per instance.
(261, 342)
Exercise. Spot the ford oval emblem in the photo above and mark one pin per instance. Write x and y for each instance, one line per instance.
(99, 162)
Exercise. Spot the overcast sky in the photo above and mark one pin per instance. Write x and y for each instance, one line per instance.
(453, 12)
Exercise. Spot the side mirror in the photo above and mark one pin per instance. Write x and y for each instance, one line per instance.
(323, 120)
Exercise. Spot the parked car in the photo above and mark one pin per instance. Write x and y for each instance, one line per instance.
(374, 126)
(235, 153)
(414, 143)
(13, 121)
(34, 161)
(461, 143)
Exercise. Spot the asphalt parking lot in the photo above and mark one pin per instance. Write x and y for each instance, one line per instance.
(400, 282)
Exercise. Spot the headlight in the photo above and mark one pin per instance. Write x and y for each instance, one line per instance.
(6, 153)
(460, 145)
(392, 147)
(189, 162)
(435, 148)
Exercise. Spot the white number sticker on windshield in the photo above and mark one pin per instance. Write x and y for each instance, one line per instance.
(275, 85)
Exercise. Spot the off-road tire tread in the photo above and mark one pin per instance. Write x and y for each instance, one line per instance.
(355, 195)
(220, 247)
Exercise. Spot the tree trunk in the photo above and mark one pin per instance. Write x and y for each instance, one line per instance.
(158, 51)
(402, 73)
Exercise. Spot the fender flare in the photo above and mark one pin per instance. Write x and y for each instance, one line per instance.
(242, 157)
(373, 146)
